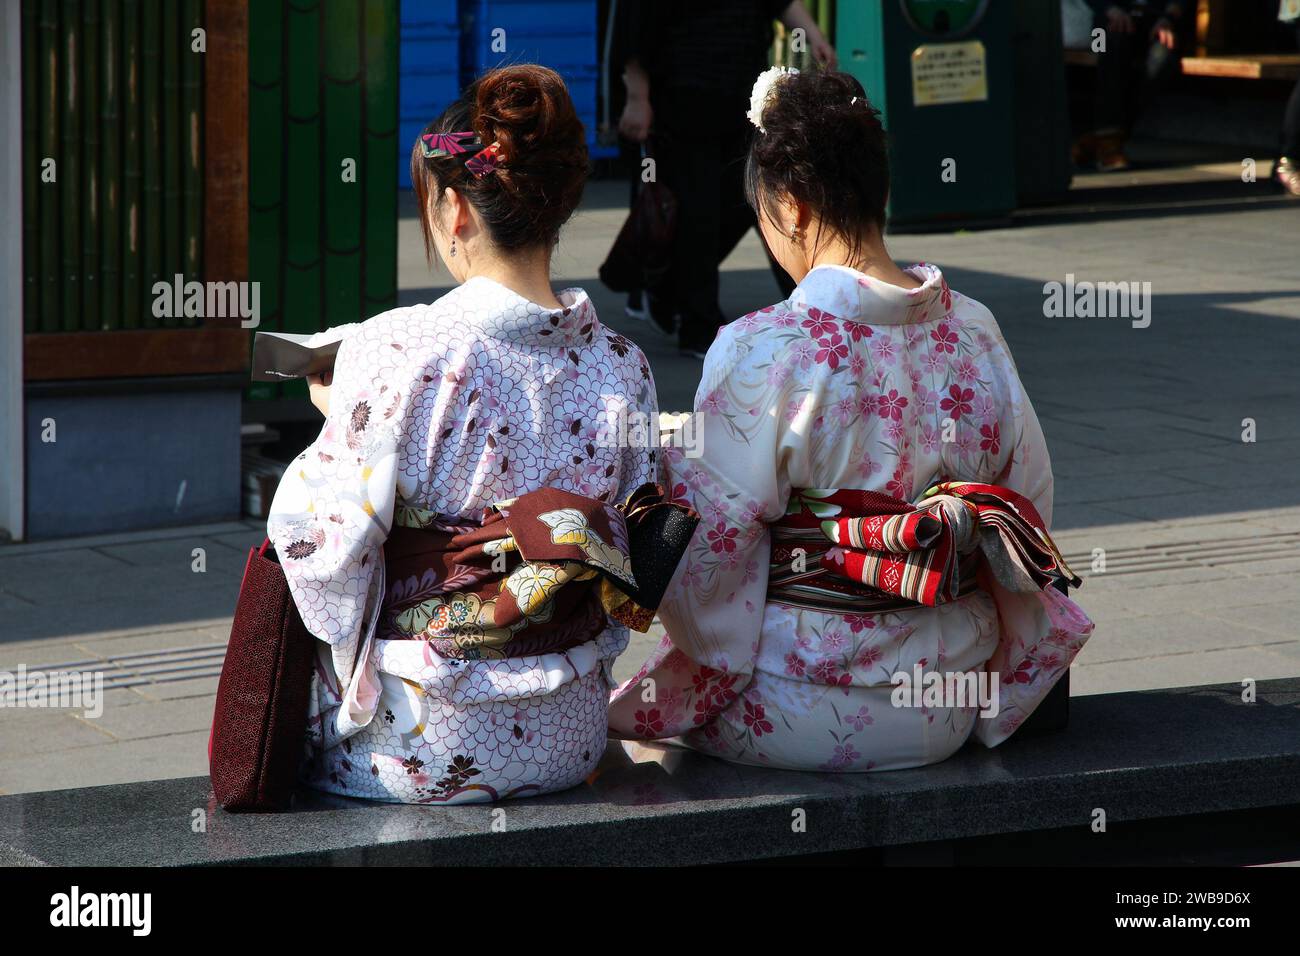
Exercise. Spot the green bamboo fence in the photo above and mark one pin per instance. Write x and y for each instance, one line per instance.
(173, 242)
(303, 189)
(191, 107)
(110, 127)
(70, 182)
(341, 134)
(322, 90)
(132, 217)
(379, 223)
(92, 159)
(112, 94)
(152, 173)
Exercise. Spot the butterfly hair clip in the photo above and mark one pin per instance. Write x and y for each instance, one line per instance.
(485, 162)
(433, 145)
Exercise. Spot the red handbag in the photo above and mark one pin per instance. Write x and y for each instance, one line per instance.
(260, 723)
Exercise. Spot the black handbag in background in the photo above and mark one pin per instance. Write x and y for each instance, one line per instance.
(642, 251)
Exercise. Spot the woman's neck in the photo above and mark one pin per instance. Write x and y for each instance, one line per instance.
(872, 259)
(528, 275)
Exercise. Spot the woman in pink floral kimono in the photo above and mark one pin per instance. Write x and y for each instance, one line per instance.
(455, 534)
(813, 586)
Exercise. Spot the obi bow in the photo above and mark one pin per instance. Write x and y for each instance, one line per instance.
(869, 551)
(540, 573)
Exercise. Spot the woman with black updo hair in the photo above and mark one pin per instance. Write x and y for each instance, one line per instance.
(872, 582)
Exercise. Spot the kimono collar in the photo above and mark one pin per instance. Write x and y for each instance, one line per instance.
(504, 313)
(849, 294)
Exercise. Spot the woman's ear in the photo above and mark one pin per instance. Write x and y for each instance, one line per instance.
(800, 214)
(451, 203)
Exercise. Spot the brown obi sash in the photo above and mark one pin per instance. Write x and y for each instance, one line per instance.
(855, 552)
(542, 573)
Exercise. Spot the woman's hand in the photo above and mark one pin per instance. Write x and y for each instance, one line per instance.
(1163, 32)
(822, 51)
(797, 17)
(636, 120)
(637, 116)
(319, 385)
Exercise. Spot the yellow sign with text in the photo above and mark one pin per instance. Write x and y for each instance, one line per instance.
(949, 73)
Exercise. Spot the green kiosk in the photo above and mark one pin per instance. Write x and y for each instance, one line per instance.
(940, 72)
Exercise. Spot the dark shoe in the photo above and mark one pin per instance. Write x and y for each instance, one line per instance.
(693, 344)
(1084, 151)
(662, 314)
(635, 307)
(1110, 154)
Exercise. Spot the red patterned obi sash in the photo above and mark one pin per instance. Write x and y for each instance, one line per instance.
(542, 573)
(858, 552)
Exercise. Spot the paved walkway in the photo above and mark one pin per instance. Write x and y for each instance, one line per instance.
(1201, 531)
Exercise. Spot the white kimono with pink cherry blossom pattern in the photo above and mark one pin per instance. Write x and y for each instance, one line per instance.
(476, 398)
(851, 383)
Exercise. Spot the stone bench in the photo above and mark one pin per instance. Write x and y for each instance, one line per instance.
(1184, 775)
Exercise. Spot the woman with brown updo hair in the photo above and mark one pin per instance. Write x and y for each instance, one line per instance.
(458, 536)
(872, 581)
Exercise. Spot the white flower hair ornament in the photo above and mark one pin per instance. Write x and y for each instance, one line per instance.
(763, 87)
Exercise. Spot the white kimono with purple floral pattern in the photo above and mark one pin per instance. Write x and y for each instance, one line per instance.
(453, 406)
(851, 383)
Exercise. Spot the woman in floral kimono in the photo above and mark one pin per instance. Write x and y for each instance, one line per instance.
(821, 419)
(452, 536)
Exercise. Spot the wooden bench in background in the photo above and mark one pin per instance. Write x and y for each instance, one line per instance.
(1245, 66)
(1214, 34)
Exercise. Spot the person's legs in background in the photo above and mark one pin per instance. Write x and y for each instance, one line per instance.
(631, 154)
(1159, 68)
(700, 155)
(1103, 144)
(690, 163)
(1135, 68)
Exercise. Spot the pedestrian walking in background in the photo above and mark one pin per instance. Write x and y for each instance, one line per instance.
(688, 69)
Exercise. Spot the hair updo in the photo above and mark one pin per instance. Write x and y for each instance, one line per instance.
(821, 147)
(539, 180)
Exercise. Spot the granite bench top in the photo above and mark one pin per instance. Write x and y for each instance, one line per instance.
(1139, 756)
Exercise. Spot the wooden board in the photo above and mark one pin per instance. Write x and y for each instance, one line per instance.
(62, 356)
(1261, 66)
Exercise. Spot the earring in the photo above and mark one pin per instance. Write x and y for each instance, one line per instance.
(795, 234)
(453, 247)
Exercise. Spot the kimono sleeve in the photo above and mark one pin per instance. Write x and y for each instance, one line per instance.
(1040, 633)
(332, 512)
(729, 464)
(639, 458)
(1029, 467)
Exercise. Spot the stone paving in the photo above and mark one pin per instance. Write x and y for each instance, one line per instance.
(1200, 529)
